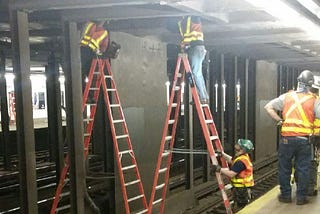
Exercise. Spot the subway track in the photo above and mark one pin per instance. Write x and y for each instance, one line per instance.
(208, 200)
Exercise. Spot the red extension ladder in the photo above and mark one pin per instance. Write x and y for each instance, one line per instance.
(161, 177)
(125, 157)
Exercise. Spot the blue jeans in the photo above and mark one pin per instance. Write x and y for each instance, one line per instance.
(196, 56)
(295, 150)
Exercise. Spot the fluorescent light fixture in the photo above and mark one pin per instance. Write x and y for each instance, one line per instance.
(288, 16)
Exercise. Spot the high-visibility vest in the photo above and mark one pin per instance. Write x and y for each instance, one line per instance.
(95, 37)
(298, 114)
(190, 31)
(245, 177)
(316, 127)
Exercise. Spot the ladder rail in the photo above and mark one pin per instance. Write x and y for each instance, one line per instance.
(115, 141)
(163, 140)
(206, 134)
(65, 169)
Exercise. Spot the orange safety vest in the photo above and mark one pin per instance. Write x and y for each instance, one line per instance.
(316, 127)
(192, 32)
(95, 37)
(245, 177)
(298, 114)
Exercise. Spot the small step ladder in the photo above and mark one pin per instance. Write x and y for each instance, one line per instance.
(161, 176)
(130, 179)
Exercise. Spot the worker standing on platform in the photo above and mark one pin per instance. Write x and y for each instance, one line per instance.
(240, 172)
(299, 110)
(192, 41)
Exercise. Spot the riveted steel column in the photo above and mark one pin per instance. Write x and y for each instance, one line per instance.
(4, 112)
(74, 117)
(54, 114)
(24, 120)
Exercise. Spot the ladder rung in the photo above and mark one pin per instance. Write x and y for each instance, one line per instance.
(94, 89)
(160, 186)
(86, 134)
(125, 152)
(135, 198)
(142, 211)
(163, 170)
(168, 138)
(157, 201)
(111, 89)
(179, 75)
(118, 121)
(122, 136)
(214, 137)
(96, 72)
(177, 88)
(108, 76)
(132, 182)
(128, 167)
(174, 104)
(208, 121)
(91, 104)
(165, 154)
(87, 119)
(63, 208)
(170, 121)
(204, 105)
(114, 105)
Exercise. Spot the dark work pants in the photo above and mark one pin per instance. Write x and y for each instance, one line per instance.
(297, 149)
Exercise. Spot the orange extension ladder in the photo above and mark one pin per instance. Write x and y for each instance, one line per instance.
(161, 176)
(125, 157)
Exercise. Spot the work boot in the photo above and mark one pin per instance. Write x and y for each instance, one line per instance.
(302, 201)
(284, 199)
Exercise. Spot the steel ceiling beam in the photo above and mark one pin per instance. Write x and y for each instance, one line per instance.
(36, 5)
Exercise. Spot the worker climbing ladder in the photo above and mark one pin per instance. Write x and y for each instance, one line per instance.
(100, 75)
(161, 176)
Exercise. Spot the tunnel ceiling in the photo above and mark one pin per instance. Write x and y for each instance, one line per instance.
(232, 26)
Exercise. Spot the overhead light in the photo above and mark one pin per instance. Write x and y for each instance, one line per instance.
(288, 16)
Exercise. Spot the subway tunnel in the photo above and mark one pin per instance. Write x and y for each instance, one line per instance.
(255, 52)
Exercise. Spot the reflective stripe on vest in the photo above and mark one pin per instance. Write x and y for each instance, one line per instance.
(245, 177)
(96, 41)
(316, 127)
(190, 33)
(298, 114)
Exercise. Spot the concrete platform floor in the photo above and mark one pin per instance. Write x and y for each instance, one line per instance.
(269, 203)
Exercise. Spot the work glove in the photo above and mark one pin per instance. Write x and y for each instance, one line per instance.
(215, 168)
(98, 52)
(218, 153)
(279, 123)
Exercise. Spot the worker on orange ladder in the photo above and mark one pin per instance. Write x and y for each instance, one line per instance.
(240, 172)
(95, 42)
(192, 41)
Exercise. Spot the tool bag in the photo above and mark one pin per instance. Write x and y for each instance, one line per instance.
(113, 50)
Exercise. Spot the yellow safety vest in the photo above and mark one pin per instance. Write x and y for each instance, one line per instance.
(245, 177)
(192, 31)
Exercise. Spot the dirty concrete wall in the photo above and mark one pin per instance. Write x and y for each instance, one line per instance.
(140, 73)
(266, 131)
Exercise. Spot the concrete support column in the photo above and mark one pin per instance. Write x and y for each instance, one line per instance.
(74, 117)
(56, 142)
(4, 112)
(23, 97)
